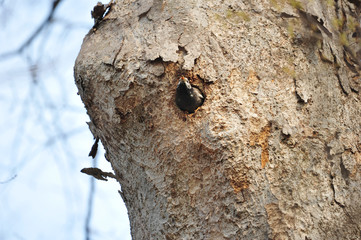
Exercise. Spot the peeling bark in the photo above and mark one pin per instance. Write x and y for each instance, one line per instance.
(275, 150)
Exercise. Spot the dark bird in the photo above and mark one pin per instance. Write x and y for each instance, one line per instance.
(188, 98)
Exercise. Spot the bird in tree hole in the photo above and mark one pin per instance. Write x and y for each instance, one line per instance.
(188, 97)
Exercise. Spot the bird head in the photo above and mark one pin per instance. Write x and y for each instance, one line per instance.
(184, 82)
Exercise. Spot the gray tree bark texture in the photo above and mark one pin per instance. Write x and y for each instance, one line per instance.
(275, 150)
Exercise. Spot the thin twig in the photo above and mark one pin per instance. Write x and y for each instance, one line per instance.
(45, 23)
(10, 179)
(90, 204)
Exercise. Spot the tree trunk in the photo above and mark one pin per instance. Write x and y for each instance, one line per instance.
(274, 152)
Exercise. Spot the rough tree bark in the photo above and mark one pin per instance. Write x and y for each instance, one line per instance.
(275, 150)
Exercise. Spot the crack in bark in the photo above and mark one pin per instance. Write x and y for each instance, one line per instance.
(343, 207)
(144, 14)
(352, 56)
(340, 82)
(324, 58)
(337, 67)
(298, 96)
(357, 3)
(349, 64)
(116, 55)
(334, 193)
(314, 20)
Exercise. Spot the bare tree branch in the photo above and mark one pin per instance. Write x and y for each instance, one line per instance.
(8, 180)
(36, 33)
(90, 204)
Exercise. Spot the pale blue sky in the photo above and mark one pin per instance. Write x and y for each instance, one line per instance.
(44, 137)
